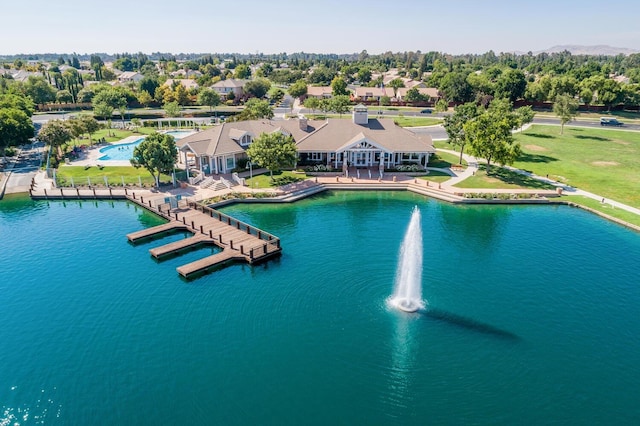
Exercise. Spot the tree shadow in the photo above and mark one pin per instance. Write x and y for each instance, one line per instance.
(511, 177)
(540, 135)
(535, 158)
(593, 138)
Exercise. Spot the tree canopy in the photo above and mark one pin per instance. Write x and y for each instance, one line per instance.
(454, 124)
(273, 151)
(157, 153)
(489, 135)
(15, 127)
(566, 108)
(255, 109)
(55, 133)
(209, 97)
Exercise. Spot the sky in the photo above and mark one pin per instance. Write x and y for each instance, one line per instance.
(324, 26)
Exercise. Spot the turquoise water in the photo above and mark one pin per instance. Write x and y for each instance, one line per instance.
(532, 318)
(124, 151)
(121, 151)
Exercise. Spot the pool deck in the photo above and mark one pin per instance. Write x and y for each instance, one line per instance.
(90, 156)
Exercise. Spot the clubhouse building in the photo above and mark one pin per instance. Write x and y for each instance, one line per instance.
(361, 142)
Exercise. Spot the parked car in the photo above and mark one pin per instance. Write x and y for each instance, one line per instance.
(605, 121)
(425, 111)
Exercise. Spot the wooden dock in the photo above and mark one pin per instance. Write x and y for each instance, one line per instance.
(155, 231)
(239, 241)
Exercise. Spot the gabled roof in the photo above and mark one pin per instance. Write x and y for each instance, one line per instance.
(230, 83)
(186, 82)
(319, 91)
(332, 135)
(223, 139)
(336, 135)
(362, 92)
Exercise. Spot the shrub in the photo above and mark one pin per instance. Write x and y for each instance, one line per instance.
(10, 152)
(284, 180)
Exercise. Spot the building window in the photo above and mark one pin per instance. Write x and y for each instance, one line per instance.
(245, 140)
(316, 156)
(410, 156)
(230, 163)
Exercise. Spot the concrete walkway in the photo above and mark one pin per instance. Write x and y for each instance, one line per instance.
(566, 189)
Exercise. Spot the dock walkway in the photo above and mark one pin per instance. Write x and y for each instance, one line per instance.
(239, 241)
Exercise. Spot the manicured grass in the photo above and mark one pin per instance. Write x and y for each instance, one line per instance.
(112, 135)
(435, 176)
(416, 121)
(444, 160)
(264, 180)
(114, 174)
(501, 178)
(605, 208)
(603, 161)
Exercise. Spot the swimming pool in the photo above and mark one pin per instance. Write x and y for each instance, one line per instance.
(124, 151)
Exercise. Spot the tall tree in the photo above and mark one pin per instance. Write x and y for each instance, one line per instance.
(255, 109)
(340, 104)
(39, 90)
(209, 97)
(157, 153)
(172, 109)
(298, 89)
(566, 108)
(525, 116)
(489, 136)
(55, 133)
(15, 127)
(273, 151)
(396, 83)
(258, 87)
(339, 86)
(511, 85)
(455, 87)
(454, 124)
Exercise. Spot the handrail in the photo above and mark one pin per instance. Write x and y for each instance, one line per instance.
(249, 229)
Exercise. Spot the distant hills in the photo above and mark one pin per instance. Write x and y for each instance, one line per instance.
(590, 50)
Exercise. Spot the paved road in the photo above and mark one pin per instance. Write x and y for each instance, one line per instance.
(24, 168)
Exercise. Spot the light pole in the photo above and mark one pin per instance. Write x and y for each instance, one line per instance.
(250, 173)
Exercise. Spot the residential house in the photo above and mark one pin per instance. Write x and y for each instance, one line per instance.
(319, 92)
(431, 94)
(224, 87)
(193, 74)
(186, 82)
(360, 142)
(370, 94)
(128, 76)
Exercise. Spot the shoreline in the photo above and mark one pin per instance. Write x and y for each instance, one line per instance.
(102, 193)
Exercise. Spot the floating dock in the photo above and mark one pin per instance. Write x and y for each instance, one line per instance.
(239, 241)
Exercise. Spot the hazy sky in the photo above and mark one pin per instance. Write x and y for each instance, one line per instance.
(324, 26)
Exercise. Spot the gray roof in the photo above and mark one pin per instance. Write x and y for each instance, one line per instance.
(334, 135)
(339, 135)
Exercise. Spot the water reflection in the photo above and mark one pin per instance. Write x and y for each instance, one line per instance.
(477, 225)
(399, 397)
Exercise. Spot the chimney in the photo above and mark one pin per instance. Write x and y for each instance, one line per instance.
(302, 121)
(360, 114)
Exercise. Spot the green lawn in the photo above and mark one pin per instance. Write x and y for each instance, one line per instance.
(605, 162)
(444, 160)
(111, 135)
(114, 175)
(501, 179)
(264, 180)
(435, 176)
(416, 121)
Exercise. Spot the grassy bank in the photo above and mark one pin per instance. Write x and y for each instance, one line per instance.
(605, 162)
(114, 175)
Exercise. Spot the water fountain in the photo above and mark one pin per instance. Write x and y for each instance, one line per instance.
(407, 295)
